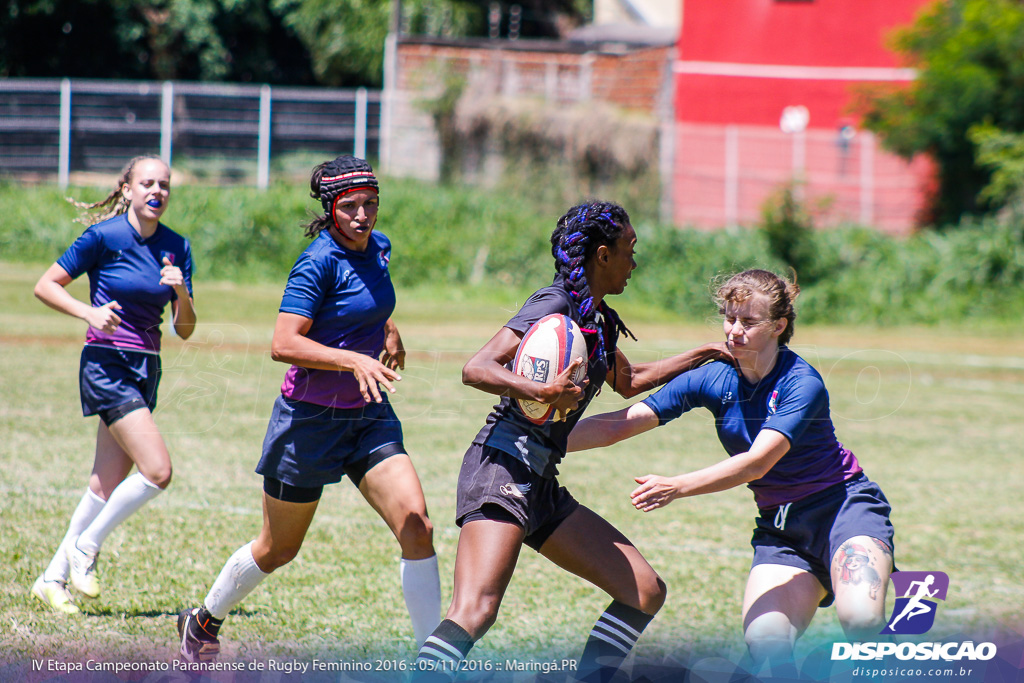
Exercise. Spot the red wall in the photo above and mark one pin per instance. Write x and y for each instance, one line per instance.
(740, 64)
(816, 33)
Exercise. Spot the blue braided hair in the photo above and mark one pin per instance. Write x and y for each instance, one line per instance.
(574, 241)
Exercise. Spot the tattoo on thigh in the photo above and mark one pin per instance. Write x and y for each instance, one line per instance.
(855, 568)
(886, 552)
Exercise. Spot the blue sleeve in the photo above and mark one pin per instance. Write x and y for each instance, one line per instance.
(797, 404)
(83, 254)
(304, 292)
(682, 394)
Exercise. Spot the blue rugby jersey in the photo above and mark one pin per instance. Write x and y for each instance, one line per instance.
(543, 446)
(125, 268)
(349, 296)
(791, 400)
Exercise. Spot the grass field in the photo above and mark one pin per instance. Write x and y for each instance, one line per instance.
(936, 419)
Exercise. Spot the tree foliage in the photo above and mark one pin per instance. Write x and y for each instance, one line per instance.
(217, 40)
(1003, 153)
(970, 70)
(296, 42)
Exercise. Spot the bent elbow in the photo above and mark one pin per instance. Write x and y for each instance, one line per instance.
(469, 375)
(757, 472)
(277, 352)
(630, 391)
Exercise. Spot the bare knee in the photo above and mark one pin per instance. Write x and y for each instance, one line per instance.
(860, 623)
(415, 535)
(770, 634)
(476, 614)
(160, 476)
(653, 592)
(271, 557)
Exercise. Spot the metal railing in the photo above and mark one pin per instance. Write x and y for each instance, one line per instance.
(61, 126)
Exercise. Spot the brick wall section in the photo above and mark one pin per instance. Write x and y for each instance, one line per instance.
(562, 73)
(632, 79)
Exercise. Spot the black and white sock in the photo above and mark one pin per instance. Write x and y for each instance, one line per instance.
(442, 652)
(610, 642)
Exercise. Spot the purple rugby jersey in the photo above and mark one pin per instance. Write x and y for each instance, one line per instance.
(349, 297)
(791, 400)
(125, 268)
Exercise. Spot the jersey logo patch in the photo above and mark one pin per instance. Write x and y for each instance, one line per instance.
(515, 490)
(383, 259)
(169, 255)
(772, 401)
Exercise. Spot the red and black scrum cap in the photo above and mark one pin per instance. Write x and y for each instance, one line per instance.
(343, 175)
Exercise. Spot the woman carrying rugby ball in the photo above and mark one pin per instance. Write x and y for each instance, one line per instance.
(508, 494)
(332, 418)
(822, 532)
(136, 265)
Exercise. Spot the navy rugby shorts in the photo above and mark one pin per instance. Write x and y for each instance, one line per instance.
(309, 445)
(807, 533)
(495, 485)
(114, 382)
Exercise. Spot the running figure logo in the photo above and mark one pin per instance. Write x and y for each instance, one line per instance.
(917, 596)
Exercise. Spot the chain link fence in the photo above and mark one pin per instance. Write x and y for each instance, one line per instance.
(235, 133)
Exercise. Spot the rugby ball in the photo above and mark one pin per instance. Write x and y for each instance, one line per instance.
(548, 348)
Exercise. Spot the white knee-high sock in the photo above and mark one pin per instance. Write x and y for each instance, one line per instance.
(130, 495)
(237, 579)
(421, 587)
(87, 509)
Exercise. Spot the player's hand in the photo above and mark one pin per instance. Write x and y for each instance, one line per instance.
(719, 351)
(371, 375)
(171, 274)
(566, 394)
(103, 317)
(654, 492)
(394, 349)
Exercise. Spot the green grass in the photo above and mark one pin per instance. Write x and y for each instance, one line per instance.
(935, 419)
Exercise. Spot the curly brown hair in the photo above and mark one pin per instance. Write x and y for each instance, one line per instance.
(781, 293)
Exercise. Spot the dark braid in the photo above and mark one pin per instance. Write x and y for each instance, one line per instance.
(319, 222)
(576, 238)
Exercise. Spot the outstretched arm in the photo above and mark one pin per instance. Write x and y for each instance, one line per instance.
(608, 428)
(655, 491)
(629, 379)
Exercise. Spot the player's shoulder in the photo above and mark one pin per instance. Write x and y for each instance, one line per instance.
(796, 367)
(320, 251)
(714, 377)
(380, 240)
(554, 299)
(114, 226)
(797, 372)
